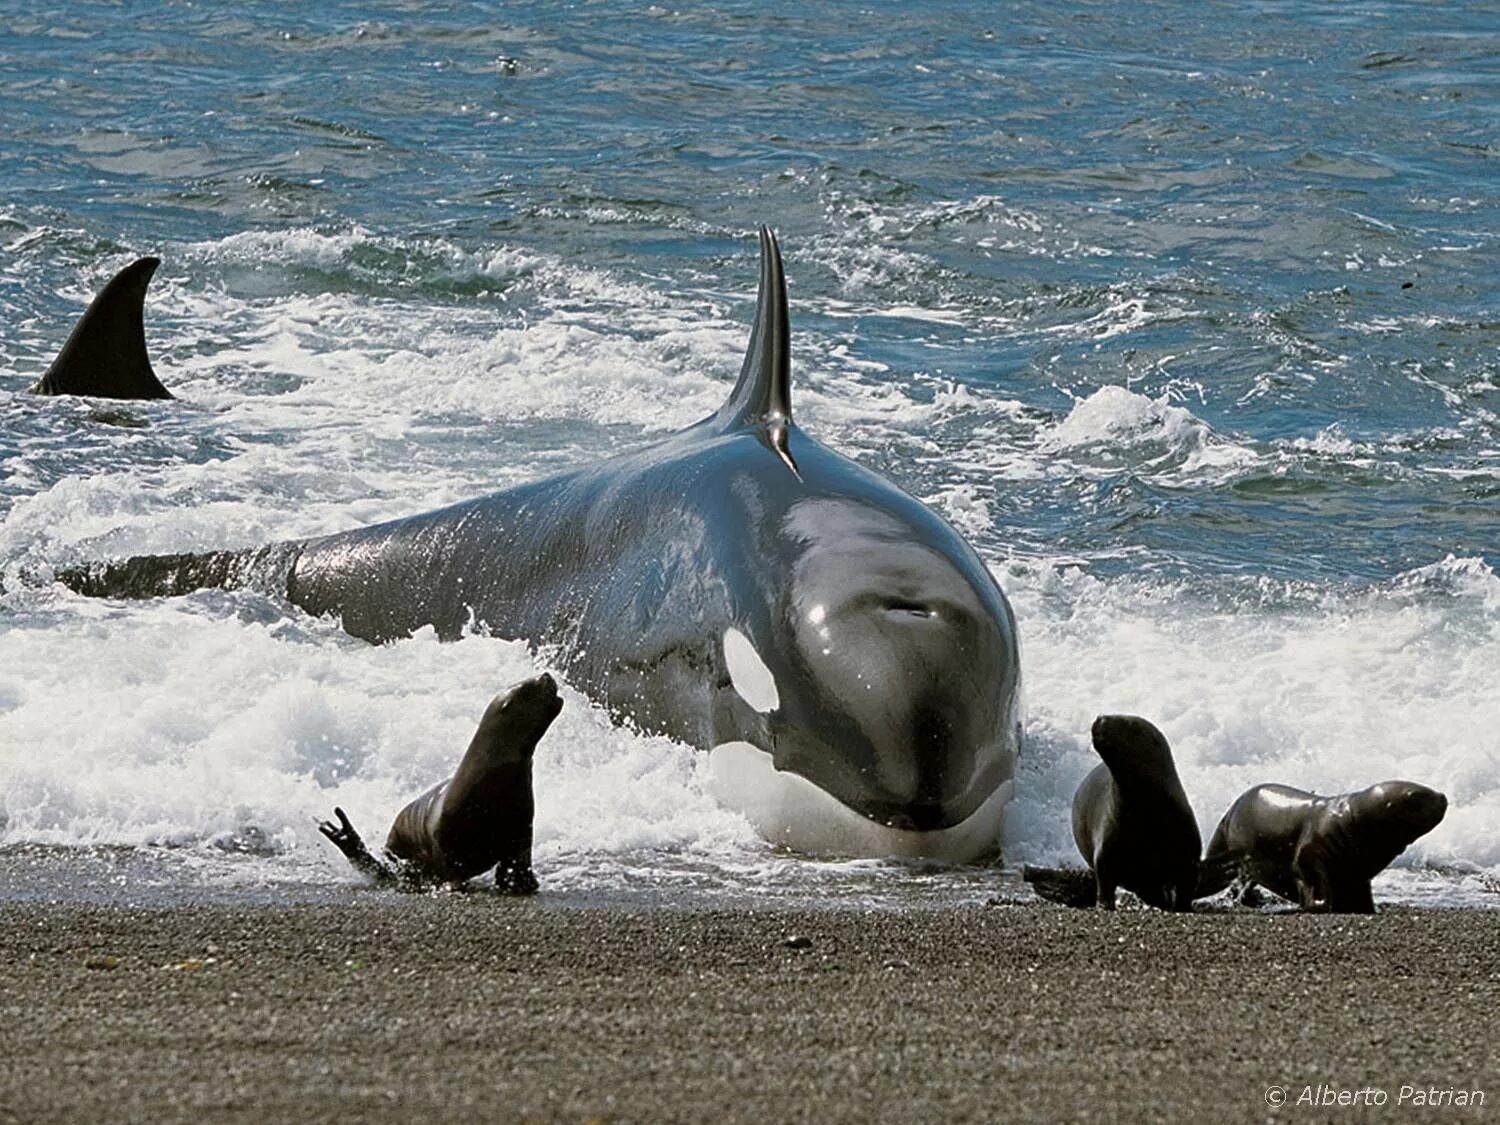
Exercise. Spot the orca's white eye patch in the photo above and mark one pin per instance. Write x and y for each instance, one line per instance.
(748, 672)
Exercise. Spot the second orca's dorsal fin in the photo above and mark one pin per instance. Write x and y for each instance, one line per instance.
(763, 395)
(106, 354)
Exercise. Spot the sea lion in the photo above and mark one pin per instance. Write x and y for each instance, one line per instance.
(477, 819)
(1131, 822)
(1320, 852)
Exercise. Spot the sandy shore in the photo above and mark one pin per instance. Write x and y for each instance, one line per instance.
(388, 1008)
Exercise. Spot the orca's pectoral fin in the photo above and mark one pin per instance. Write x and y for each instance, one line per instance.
(762, 397)
(1067, 886)
(106, 354)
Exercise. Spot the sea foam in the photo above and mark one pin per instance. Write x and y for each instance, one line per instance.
(225, 725)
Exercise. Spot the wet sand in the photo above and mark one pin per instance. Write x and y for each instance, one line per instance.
(473, 1008)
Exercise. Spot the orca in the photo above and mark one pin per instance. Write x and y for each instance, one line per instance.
(842, 653)
(105, 356)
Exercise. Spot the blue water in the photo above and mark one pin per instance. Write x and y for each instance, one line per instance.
(1187, 315)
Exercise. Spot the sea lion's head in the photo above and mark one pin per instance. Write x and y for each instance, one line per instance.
(1394, 813)
(516, 719)
(1132, 746)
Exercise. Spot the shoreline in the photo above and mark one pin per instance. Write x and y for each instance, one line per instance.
(385, 1007)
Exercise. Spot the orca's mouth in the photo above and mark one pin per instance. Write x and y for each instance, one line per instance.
(932, 808)
(789, 810)
(921, 817)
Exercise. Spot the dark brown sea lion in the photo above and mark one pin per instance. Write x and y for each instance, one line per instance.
(1132, 823)
(1320, 852)
(480, 817)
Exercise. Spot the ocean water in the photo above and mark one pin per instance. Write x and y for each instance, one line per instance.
(1188, 316)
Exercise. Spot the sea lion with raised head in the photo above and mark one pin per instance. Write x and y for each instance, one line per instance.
(1131, 822)
(480, 817)
(1320, 852)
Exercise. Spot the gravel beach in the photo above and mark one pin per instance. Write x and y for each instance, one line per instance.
(468, 1007)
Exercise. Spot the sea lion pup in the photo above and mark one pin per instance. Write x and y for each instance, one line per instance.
(477, 819)
(1320, 852)
(1132, 823)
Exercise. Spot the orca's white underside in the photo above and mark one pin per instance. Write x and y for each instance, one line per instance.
(793, 812)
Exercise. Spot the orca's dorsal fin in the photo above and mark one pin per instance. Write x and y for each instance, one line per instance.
(106, 354)
(762, 397)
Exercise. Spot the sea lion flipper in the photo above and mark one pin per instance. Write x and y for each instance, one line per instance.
(1216, 871)
(1067, 886)
(1104, 892)
(1353, 897)
(341, 833)
(515, 877)
(344, 837)
(1248, 893)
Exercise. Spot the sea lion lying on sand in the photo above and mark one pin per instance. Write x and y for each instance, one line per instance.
(1132, 823)
(1320, 852)
(480, 817)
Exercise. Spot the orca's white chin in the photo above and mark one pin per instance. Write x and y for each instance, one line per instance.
(791, 811)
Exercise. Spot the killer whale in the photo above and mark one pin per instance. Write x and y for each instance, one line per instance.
(105, 356)
(841, 651)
